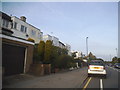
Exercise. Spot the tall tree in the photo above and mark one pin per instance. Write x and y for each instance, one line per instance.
(114, 60)
(91, 56)
(35, 54)
(41, 50)
(48, 51)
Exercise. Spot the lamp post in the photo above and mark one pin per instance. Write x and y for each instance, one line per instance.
(87, 46)
(116, 52)
(110, 57)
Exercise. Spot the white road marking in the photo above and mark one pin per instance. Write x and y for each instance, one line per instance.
(101, 84)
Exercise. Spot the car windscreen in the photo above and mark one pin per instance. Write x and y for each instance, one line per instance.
(96, 63)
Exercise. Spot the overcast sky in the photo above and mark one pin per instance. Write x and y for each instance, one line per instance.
(72, 22)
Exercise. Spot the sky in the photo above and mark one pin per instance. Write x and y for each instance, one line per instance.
(72, 22)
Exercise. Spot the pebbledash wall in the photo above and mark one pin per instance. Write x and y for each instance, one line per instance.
(25, 30)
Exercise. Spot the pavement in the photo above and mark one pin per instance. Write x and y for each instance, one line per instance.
(69, 79)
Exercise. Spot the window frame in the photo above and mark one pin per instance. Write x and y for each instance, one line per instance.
(5, 23)
(33, 32)
(15, 25)
(23, 29)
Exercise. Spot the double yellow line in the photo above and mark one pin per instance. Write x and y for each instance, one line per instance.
(87, 83)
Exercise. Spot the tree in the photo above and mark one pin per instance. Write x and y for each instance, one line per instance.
(74, 54)
(99, 59)
(65, 61)
(118, 60)
(54, 57)
(48, 52)
(41, 50)
(114, 60)
(35, 54)
(91, 56)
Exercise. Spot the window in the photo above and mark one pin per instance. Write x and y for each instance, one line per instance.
(5, 23)
(23, 29)
(33, 32)
(39, 35)
(15, 25)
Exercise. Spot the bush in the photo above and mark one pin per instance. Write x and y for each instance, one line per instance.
(48, 52)
(64, 62)
(31, 40)
(118, 60)
(35, 53)
(41, 50)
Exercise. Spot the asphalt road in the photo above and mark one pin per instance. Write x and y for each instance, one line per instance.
(71, 79)
(111, 81)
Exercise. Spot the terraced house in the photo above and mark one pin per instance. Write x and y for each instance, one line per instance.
(17, 53)
(24, 30)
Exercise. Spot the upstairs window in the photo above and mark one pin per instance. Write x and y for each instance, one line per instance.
(5, 23)
(33, 32)
(39, 35)
(23, 29)
(15, 25)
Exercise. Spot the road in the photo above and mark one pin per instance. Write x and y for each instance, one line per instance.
(71, 79)
(111, 81)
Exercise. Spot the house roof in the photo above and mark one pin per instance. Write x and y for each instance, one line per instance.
(28, 23)
(5, 16)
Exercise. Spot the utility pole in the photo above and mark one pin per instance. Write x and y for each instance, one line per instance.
(87, 46)
(110, 57)
(116, 52)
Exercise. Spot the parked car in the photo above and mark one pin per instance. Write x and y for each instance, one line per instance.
(117, 65)
(96, 67)
(110, 64)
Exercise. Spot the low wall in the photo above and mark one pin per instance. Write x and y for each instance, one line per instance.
(37, 69)
(40, 69)
(47, 68)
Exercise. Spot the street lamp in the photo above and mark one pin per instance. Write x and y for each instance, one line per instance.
(110, 57)
(87, 46)
(116, 52)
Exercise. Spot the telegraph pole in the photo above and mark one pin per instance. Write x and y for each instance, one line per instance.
(87, 46)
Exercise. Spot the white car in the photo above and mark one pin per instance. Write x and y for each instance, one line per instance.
(96, 67)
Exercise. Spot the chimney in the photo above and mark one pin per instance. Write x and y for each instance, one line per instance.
(23, 18)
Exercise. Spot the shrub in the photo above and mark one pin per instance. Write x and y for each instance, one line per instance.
(64, 62)
(41, 50)
(31, 40)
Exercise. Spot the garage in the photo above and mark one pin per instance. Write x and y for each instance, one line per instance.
(17, 55)
(13, 59)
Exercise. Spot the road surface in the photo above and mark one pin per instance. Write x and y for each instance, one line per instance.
(71, 79)
(111, 81)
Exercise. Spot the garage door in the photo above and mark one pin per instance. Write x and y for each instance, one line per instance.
(13, 59)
